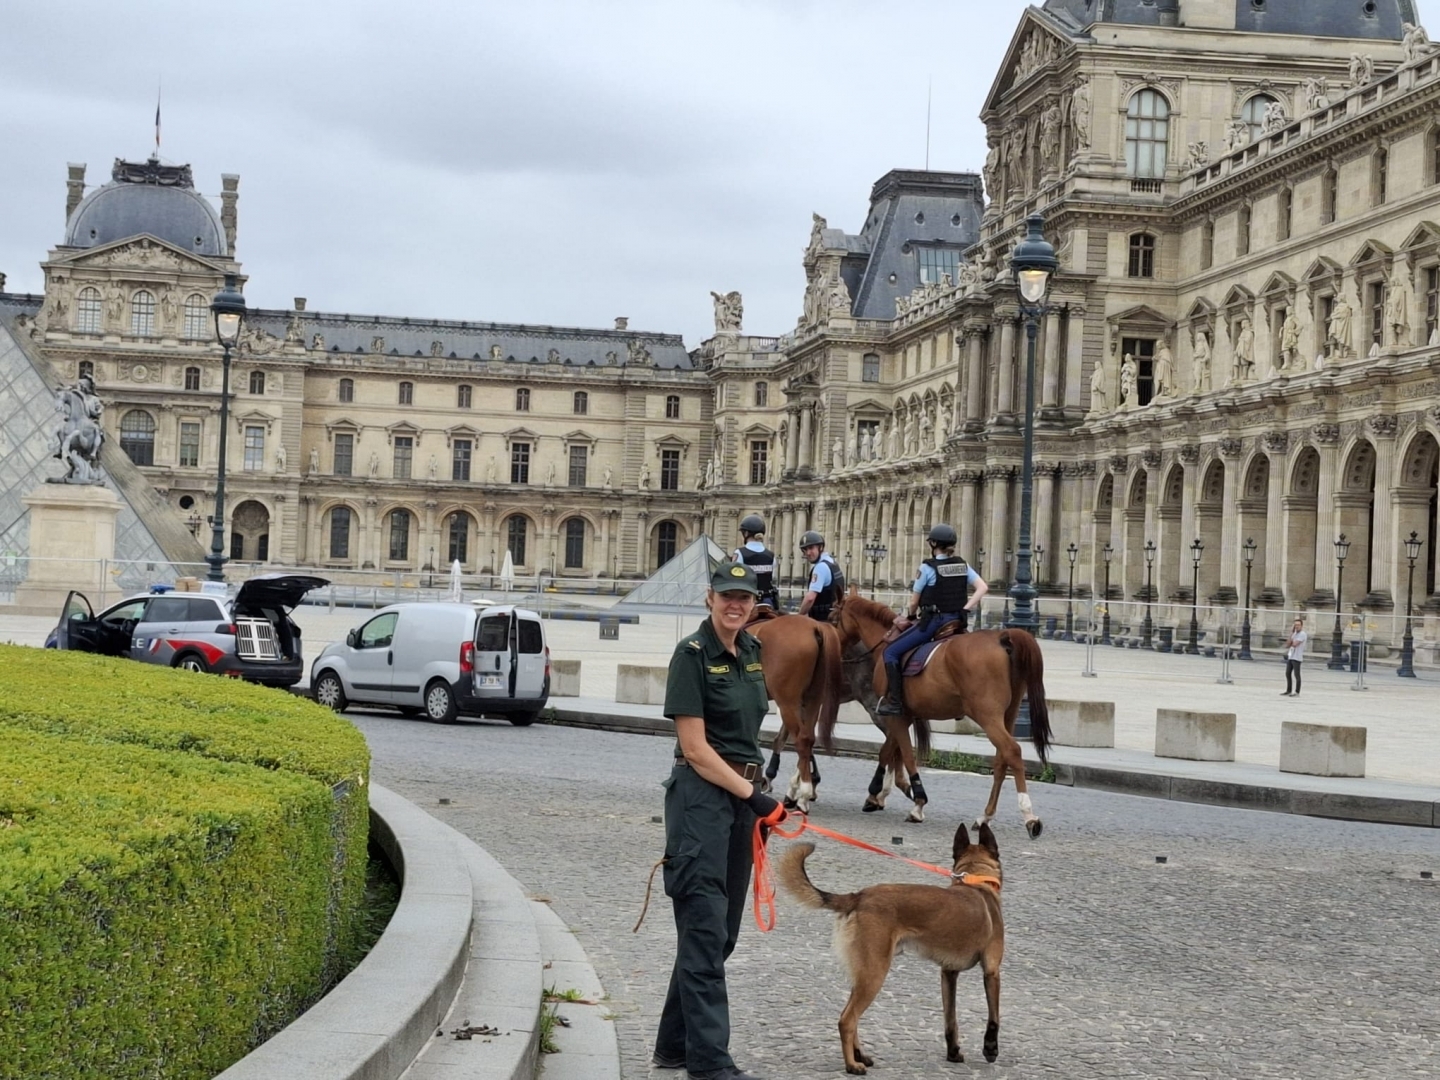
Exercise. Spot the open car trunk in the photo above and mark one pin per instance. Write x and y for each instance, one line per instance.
(261, 610)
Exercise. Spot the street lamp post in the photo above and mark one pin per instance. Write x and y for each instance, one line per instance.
(1196, 550)
(1072, 552)
(1148, 627)
(430, 567)
(875, 551)
(1009, 588)
(228, 308)
(1337, 646)
(1109, 553)
(1033, 263)
(1407, 648)
(1249, 548)
(1039, 577)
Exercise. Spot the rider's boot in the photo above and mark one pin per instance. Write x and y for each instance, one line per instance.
(893, 703)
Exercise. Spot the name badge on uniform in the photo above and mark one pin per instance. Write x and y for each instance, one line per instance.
(754, 667)
(723, 669)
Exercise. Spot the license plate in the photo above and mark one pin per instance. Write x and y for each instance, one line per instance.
(488, 682)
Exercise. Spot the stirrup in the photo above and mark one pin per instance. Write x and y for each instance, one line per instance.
(890, 705)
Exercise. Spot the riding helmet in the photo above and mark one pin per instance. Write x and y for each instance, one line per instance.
(810, 539)
(942, 536)
(752, 523)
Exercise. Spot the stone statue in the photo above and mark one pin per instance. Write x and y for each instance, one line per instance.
(991, 170)
(1199, 155)
(377, 344)
(1289, 340)
(550, 475)
(1244, 353)
(1317, 91)
(865, 446)
(609, 476)
(114, 306)
(1237, 134)
(852, 452)
(437, 348)
(839, 296)
(79, 436)
(1099, 390)
(490, 470)
(434, 467)
(892, 445)
(1202, 362)
(927, 431)
(1396, 303)
(1275, 118)
(1164, 374)
(294, 332)
(1129, 376)
(1415, 42)
(169, 308)
(711, 471)
(1080, 107)
(645, 477)
(817, 227)
(837, 454)
(1050, 136)
(728, 312)
(314, 460)
(1362, 70)
(1337, 330)
(374, 465)
(318, 343)
(280, 457)
(496, 354)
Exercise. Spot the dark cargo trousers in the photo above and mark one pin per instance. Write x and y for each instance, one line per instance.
(707, 873)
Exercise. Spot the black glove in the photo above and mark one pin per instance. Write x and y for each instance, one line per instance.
(763, 805)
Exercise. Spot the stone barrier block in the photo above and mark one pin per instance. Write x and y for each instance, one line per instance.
(564, 678)
(1082, 723)
(962, 726)
(1322, 749)
(640, 684)
(852, 712)
(1194, 736)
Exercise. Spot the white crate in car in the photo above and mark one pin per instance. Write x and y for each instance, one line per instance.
(255, 640)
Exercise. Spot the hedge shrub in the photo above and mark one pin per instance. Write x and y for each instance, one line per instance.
(182, 860)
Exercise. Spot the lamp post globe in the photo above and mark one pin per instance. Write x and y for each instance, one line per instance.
(228, 308)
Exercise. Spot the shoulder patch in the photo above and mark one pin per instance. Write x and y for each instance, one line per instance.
(694, 643)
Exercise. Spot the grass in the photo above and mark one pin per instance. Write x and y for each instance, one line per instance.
(382, 895)
(955, 761)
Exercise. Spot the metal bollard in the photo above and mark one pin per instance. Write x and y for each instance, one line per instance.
(1089, 671)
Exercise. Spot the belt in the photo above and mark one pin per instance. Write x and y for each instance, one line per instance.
(746, 770)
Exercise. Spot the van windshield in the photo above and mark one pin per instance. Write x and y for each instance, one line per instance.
(493, 634)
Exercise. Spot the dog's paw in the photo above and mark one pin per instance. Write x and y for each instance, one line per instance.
(864, 1058)
(855, 1070)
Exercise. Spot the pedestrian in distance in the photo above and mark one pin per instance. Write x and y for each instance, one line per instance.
(716, 696)
(754, 554)
(1295, 656)
(827, 580)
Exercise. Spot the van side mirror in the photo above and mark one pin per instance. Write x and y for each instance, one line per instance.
(352, 638)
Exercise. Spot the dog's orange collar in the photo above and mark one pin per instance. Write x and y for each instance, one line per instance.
(978, 881)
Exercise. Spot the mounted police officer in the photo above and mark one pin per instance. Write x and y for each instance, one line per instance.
(754, 554)
(827, 580)
(938, 596)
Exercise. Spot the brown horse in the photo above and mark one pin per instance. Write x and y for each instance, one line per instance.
(802, 677)
(983, 675)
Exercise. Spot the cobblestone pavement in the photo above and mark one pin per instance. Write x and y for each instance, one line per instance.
(1266, 945)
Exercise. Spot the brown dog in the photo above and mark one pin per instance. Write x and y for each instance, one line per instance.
(956, 927)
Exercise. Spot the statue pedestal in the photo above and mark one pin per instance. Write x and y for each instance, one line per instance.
(72, 530)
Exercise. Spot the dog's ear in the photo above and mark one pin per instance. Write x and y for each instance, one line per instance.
(962, 841)
(987, 841)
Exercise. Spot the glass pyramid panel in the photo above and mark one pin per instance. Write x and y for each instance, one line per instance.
(680, 584)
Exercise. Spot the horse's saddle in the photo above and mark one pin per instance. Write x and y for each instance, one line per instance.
(762, 613)
(914, 661)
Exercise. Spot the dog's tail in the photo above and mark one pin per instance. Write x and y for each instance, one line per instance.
(790, 869)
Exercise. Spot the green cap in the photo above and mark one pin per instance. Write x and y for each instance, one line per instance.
(734, 577)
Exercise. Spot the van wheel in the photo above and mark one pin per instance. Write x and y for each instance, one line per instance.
(191, 662)
(523, 719)
(330, 693)
(440, 702)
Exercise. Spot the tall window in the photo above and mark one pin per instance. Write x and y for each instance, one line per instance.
(935, 262)
(1253, 114)
(257, 382)
(460, 451)
(520, 463)
(399, 535)
(759, 461)
(137, 436)
(1432, 303)
(404, 456)
(1329, 196)
(762, 394)
(347, 390)
(458, 531)
(522, 399)
(870, 368)
(515, 532)
(87, 311)
(189, 444)
(672, 407)
(254, 448)
(1376, 295)
(1242, 231)
(1381, 170)
(581, 404)
(344, 454)
(579, 465)
(340, 532)
(669, 470)
(1284, 208)
(192, 378)
(407, 393)
(575, 544)
(142, 314)
(1207, 244)
(462, 396)
(86, 369)
(1143, 350)
(666, 536)
(1147, 133)
(196, 325)
(1432, 145)
(1142, 255)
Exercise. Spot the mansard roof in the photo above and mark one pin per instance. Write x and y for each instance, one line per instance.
(1380, 20)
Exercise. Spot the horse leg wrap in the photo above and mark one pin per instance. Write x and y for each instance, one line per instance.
(917, 789)
(1026, 810)
(773, 769)
(878, 780)
(814, 772)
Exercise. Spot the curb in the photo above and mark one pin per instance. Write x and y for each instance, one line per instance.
(1420, 813)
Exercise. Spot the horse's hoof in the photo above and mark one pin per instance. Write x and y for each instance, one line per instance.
(870, 807)
(1034, 828)
(916, 816)
(954, 1055)
(789, 803)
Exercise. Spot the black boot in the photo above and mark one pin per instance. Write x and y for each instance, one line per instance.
(893, 704)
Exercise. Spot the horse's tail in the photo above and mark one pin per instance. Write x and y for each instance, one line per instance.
(790, 870)
(830, 669)
(921, 726)
(1028, 664)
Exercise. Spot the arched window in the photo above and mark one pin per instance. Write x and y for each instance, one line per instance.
(672, 407)
(257, 382)
(399, 535)
(142, 314)
(197, 317)
(1253, 114)
(347, 390)
(1142, 255)
(762, 394)
(192, 378)
(459, 533)
(340, 532)
(462, 396)
(666, 536)
(575, 544)
(582, 403)
(86, 370)
(137, 436)
(407, 393)
(1147, 134)
(515, 531)
(87, 311)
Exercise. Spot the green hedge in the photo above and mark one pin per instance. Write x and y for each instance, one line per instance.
(182, 860)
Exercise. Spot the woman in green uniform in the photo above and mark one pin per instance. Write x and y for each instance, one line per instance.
(716, 696)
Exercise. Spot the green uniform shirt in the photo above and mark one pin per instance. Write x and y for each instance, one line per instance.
(727, 690)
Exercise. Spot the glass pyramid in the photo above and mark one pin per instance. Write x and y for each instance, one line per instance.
(680, 584)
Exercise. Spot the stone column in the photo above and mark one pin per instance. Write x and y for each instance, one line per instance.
(1042, 526)
(430, 537)
(1050, 380)
(1075, 361)
(1005, 399)
(372, 552)
(1326, 510)
(807, 438)
(968, 517)
(792, 442)
(1275, 547)
(975, 375)
(999, 538)
(1385, 575)
(1231, 575)
(1189, 517)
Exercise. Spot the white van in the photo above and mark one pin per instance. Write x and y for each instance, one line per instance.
(441, 660)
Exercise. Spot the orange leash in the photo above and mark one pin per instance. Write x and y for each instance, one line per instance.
(764, 887)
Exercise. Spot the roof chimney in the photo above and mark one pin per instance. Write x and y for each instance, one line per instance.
(1169, 11)
(229, 196)
(622, 322)
(74, 189)
(299, 303)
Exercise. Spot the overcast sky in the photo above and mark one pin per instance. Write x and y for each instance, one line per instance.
(532, 161)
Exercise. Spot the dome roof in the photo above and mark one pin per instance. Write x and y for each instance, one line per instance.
(1376, 19)
(149, 198)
